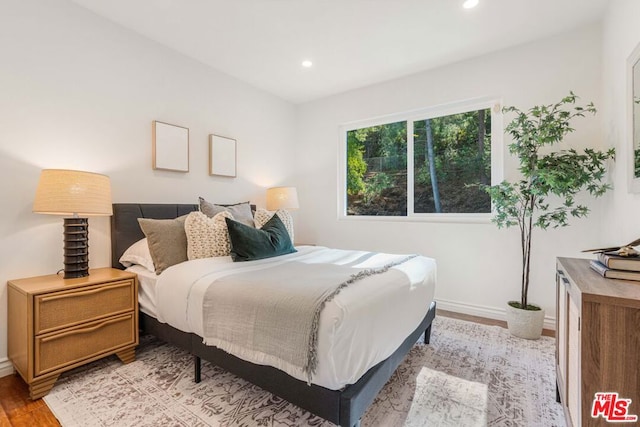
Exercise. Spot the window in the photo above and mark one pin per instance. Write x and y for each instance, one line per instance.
(452, 150)
(377, 170)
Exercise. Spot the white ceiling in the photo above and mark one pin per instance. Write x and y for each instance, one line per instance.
(352, 43)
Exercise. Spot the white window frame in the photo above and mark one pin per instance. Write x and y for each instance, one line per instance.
(494, 104)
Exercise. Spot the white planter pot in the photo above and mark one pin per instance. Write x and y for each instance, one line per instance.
(526, 324)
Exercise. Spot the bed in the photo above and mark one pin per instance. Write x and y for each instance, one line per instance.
(331, 396)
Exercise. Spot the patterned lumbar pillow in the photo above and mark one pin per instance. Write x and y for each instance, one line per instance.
(262, 216)
(207, 237)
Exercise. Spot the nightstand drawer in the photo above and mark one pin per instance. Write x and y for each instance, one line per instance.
(55, 351)
(64, 309)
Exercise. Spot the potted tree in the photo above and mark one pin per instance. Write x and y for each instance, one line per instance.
(544, 196)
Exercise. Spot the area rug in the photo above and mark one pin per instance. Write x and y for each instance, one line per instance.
(470, 375)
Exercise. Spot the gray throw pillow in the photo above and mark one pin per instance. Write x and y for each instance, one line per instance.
(241, 212)
(167, 241)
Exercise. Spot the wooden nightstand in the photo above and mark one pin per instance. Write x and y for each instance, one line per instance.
(56, 325)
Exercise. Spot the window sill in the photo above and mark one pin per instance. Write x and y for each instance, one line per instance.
(479, 218)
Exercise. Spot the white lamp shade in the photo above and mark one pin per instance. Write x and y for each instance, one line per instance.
(71, 192)
(282, 198)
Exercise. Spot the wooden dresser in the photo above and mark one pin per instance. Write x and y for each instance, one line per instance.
(57, 324)
(597, 339)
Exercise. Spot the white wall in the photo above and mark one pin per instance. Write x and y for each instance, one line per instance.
(478, 265)
(621, 34)
(79, 92)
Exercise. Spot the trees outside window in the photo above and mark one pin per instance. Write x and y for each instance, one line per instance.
(377, 170)
(451, 160)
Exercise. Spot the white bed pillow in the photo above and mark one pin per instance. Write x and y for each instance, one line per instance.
(262, 216)
(207, 237)
(138, 254)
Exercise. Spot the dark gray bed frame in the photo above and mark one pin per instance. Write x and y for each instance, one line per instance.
(343, 407)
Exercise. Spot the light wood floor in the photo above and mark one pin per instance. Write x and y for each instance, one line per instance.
(17, 410)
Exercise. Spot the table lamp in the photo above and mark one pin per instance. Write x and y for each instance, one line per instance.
(282, 198)
(75, 194)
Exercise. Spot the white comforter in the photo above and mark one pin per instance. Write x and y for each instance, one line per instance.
(363, 325)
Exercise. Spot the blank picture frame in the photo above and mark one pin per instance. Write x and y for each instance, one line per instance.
(222, 156)
(170, 147)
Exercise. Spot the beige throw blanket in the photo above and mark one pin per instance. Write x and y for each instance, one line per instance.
(275, 311)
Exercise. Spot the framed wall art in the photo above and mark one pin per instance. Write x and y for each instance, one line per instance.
(170, 147)
(222, 156)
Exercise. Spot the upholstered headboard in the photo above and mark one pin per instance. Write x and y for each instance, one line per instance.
(125, 229)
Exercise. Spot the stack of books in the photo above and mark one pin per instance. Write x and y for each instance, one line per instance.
(613, 266)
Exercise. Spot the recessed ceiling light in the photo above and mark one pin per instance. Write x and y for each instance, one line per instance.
(307, 64)
(468, 4)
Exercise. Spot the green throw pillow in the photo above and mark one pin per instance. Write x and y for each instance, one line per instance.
(248, 243)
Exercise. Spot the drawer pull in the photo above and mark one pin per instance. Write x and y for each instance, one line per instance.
(560, 272)
(82, 293)
(566, 281)
(82, 331)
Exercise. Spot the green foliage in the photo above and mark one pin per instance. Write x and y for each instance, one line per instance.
(373, 187)
(356, 166)
(545, 195)
(455, 144)
(385, 141)
(460, 160)
(422, 175)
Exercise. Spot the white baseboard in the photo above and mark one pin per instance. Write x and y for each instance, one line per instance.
(488, 312)
(6, 368)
